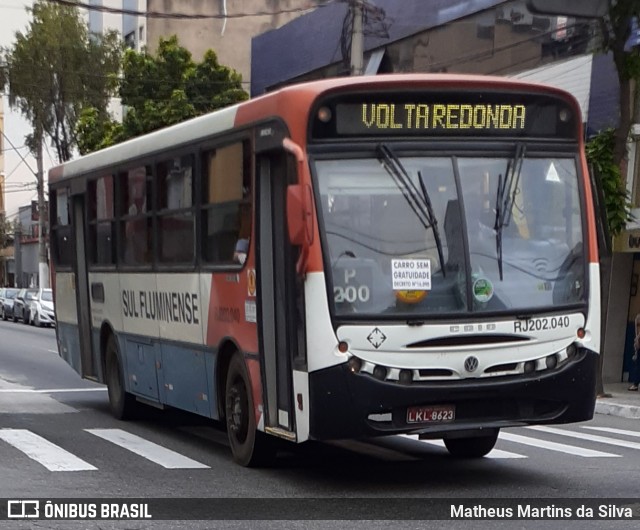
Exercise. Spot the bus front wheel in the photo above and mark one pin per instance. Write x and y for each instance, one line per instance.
(250, 447)
(121, 403)
(473, 446)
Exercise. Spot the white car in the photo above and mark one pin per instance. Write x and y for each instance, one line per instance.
(41, 311)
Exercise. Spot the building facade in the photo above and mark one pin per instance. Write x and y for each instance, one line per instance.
(226, 26)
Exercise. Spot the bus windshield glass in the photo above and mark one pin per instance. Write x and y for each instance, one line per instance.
(418, 236)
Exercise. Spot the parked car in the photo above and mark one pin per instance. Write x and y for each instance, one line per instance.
(21, 304)
(7, 297)
(41, 311)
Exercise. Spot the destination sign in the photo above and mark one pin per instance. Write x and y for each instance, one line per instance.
(445, 114)
(436, 116)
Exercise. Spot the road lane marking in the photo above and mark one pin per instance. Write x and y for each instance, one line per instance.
(590, 437)
(614, 431)
(48, 390)
(156, 453)
(44, 452)
(553, 446)
(495, 453)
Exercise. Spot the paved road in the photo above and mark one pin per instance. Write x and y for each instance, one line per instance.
(57, 439)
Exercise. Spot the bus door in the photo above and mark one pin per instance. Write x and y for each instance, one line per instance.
(277, 296)
(81, 281)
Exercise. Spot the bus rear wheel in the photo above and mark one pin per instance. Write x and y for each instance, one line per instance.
(473, 446)
(121, 404)
(249, 446)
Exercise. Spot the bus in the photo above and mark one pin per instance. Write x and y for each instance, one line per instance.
(345, 258)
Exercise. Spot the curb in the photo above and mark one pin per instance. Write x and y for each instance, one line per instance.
(617, 409)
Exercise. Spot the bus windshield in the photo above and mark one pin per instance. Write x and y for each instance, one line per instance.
(420, 236)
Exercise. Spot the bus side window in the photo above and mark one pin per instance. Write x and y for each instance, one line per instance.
(227, 204)
(101, 221)
(135, 227)
(176, 225)
(61, 231)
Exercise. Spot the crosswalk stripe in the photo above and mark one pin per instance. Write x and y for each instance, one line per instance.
(553, 446)
(44, 452)
(585, 436)
(495, 453)
(156, 453)
(614, 431)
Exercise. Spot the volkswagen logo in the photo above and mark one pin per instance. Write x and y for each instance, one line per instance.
(471, 364)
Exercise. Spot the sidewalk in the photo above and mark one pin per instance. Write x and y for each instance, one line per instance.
(621, 403)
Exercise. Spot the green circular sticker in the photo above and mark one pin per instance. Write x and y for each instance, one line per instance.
(482, 290)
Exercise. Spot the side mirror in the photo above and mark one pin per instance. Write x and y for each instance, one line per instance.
(300, 207)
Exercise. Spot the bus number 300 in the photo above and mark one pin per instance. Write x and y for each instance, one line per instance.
(351, 294)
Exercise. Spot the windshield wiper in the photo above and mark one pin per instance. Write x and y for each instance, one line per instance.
(418, 199)
(506, 196)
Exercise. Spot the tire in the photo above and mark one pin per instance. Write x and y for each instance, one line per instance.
(250, 447)
(25, 318)
(121, 404)
(472, 447)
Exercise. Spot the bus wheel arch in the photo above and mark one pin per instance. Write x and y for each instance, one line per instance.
(106, 331)
(225, 352)
(249, 446)
(122, 404)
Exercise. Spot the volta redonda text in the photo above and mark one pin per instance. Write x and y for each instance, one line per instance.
(443, 116)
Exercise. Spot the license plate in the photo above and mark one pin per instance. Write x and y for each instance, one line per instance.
(431, 414)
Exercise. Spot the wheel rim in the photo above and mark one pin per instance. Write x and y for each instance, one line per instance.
(237, 410)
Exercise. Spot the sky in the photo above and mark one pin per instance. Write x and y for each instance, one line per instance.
(14, 18)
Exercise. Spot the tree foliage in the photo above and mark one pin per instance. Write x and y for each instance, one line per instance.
(616, 29)
(160, 90)
(7, 230)
(56, 69)
(616, 197)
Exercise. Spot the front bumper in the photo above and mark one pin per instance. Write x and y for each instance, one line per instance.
(348, 405)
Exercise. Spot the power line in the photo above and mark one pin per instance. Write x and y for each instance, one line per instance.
(19, 154)
(182, 16)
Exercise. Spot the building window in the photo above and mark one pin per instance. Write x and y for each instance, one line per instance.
(130, 40)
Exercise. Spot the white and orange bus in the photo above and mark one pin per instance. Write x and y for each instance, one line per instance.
(344, 258)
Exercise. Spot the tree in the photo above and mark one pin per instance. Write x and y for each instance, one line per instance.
(161, 90)
(53, 71)
(56, 69)
(7, 230)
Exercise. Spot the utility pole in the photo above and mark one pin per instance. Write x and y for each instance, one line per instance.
(43, 266)
(357, 37)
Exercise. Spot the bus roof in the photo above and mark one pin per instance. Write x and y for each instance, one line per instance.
(291, 103)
